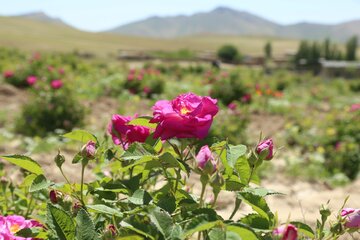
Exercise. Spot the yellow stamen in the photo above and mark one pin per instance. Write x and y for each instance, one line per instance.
(184, 110)
(14, 228)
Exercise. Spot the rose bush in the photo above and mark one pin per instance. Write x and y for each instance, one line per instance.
(141, 187)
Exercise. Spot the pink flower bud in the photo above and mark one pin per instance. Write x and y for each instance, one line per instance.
(53, 196)
(352, 217)
(232, 106)
(89, 149)
(8, 74)
(204, 157)
(56, 84)
(266, 145)
(288, 232)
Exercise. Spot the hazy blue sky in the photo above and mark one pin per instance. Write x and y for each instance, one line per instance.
(96, 15)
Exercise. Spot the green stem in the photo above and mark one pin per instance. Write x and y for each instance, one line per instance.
(6, 200)
(29, 206)
(215, 199)
(82, 184)
(251, 174)
(202, 194)
(178, 177)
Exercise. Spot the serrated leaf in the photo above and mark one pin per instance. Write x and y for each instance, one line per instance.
(242, 231)
(25, 163)
(243, 169)
(260, 191)
(233, 153)
(217, 234)
(39, 183)
(304, 228)
(255, 221)
(100, 208)
(61, 223)
(142, 121)
(137, 151)
(28, 232)
(257, 203)
(140, 197)
(80, 135)
(164, 223)
(85, 229)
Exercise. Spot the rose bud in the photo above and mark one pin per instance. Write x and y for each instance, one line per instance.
(112, 229)
(287, 232)
(53, 197)
(205, 159)
(352, 217)
(265, 149)
(89, 150)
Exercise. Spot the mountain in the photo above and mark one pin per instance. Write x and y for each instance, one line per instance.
(223, 20)
(42, 17)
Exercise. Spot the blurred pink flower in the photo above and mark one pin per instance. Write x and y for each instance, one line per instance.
(147, 90)
(246, 98)
(354, 107)
(50, 68)
(130, 77)
(232, 106)
(61, 71)
(352, 217)
(8, 74)
(11, 224)
(31, 80)
(56, 84)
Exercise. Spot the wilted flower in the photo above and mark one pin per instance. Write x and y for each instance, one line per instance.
(205, 157)
(12, 224)
(352, 217)
(31, 80)
(53, 196)
(186, 116)
(123, 133)
(89, 149)
(287, 232)
(266, 145)
(56, 84)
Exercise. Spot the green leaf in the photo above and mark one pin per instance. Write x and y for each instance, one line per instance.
(233, 153)
(198, 224)
(168, 203)
(137, 151)
(80, 135)
(85, 229)
(39, 183)
(305, 229)
(260, 191)
(28, 232)
(25, 163)
(143, 121)
(140, 197)
(217, 234)
(257, 203)
(100, 208)
(164, 223)
(243, 232)
(61, 223)
(77, 158)
(243, 170)
(256, 221)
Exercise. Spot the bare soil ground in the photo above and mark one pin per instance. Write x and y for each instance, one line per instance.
(301, 200)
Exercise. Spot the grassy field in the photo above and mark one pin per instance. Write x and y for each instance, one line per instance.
(32, 35)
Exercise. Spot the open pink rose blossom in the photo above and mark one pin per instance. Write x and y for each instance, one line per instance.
(11, 224)
(352, 217)
(123, 133)
(186, 116)
(286, 232)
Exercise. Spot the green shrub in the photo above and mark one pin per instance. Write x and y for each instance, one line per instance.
(228, 53)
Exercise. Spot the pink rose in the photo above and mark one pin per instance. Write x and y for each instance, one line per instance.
(31, 80)
(124, 134)
(11, 224)
(186, 116)
(56, 84)
(288, 232)
(352, 217)
(8, 74)
(266, 145)
(147, 90)
(130, 77)
(89, 149)
(204, 156)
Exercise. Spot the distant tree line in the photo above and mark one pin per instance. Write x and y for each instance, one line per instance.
(309, 53)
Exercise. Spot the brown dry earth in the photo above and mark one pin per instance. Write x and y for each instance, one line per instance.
(301, 199)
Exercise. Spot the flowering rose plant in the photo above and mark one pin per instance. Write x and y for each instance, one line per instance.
(141, 187)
